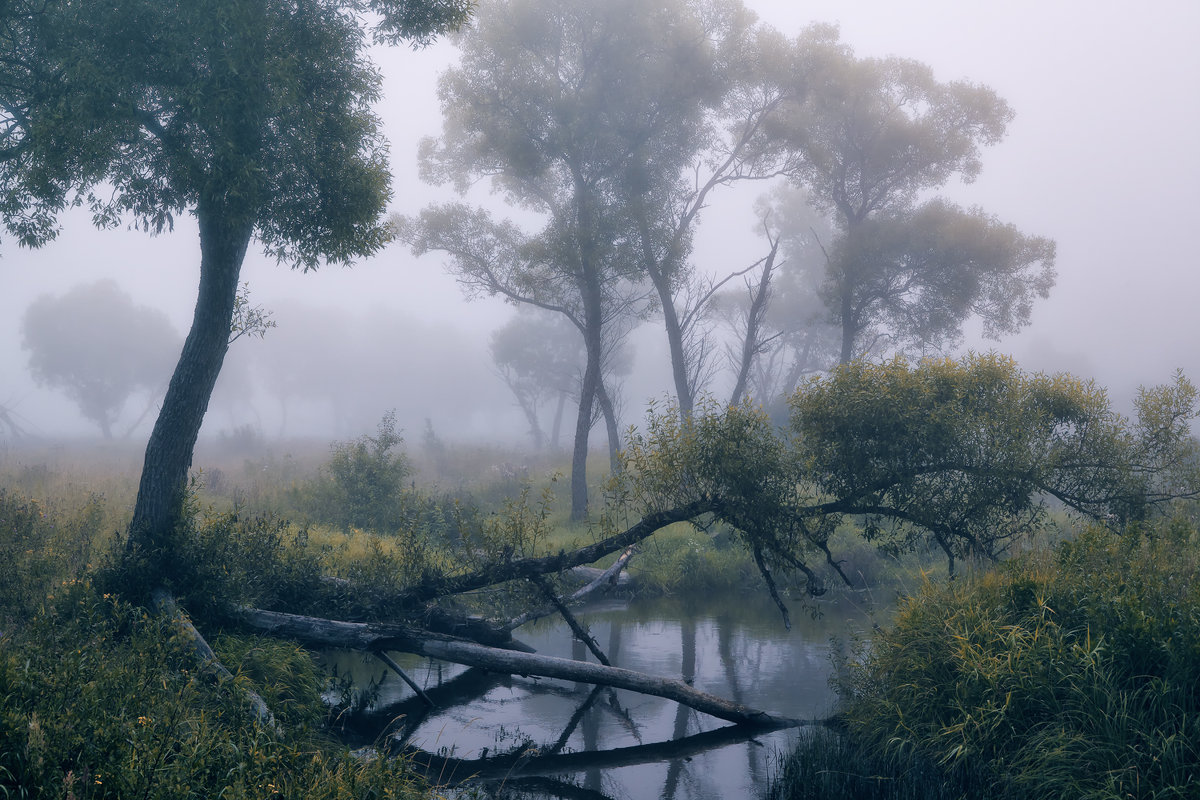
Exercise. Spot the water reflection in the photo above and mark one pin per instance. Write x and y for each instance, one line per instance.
(549, 738)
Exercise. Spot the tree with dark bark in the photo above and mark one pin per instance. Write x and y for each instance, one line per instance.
(871, 137)
(254, 117)
(100, 348)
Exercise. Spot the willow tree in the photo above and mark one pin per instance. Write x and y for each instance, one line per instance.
(872, 138)
(254, 117)
(565, 105)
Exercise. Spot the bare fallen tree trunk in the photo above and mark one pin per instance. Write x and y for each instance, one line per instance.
(314, 631)
(609, 575)
(165, 604)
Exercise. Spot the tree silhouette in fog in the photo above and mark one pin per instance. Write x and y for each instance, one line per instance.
(99, 348)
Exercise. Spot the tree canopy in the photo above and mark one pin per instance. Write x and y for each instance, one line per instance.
(873, 136)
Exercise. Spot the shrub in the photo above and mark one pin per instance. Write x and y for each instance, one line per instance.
(362, 484)
(1073, 672)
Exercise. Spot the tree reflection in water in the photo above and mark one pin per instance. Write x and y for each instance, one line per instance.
(580, 741)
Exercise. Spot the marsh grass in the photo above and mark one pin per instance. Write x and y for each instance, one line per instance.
(102, 700)
(1068, 672)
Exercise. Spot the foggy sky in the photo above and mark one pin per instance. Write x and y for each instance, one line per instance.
(1101, 157)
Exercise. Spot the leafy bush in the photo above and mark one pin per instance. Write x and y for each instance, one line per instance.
(684, 559)
(221, 559)
(362, 484)
(1074, 672)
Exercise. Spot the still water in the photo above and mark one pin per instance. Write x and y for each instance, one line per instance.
(580, 742)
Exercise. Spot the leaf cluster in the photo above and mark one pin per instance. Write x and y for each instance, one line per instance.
(258, 112)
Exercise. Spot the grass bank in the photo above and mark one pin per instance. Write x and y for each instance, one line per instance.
(1070, 672)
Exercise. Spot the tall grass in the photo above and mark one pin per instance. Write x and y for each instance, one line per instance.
(102, 700)
(1070, 672)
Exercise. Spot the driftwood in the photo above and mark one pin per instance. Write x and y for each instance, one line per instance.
(374, 637)
(609, 575)
(165, 604)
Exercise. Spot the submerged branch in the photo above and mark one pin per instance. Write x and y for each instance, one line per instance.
(531, 762)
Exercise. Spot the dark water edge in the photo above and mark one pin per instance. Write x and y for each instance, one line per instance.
(508, 736)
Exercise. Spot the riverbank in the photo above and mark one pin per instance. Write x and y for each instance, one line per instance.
(1068, 672)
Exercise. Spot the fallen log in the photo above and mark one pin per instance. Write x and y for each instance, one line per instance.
(609, 575)
(165, 604)
(373, 637)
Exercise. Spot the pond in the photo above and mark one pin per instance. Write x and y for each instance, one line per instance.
(575, 741)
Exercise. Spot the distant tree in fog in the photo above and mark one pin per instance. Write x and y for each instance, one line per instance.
(541, 360)
(561, 103)
(99, 348)
(717, 122)
(872, 137)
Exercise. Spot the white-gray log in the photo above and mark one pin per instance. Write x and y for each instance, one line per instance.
(372, 637)
(609, 575)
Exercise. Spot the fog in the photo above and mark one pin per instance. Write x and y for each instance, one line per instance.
(1101, 157)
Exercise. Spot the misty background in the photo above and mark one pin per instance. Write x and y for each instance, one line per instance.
(1101, 157)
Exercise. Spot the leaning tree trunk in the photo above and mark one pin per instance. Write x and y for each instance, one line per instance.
(224, 238)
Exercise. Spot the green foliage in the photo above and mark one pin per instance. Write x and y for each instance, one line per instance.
(685, 560)
(1066, 673)
(965, 452)
(363, 483)
(963, 455)
(224, 559)
(101, 700)
(829, 765)
(42, 548)
(735, 465)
